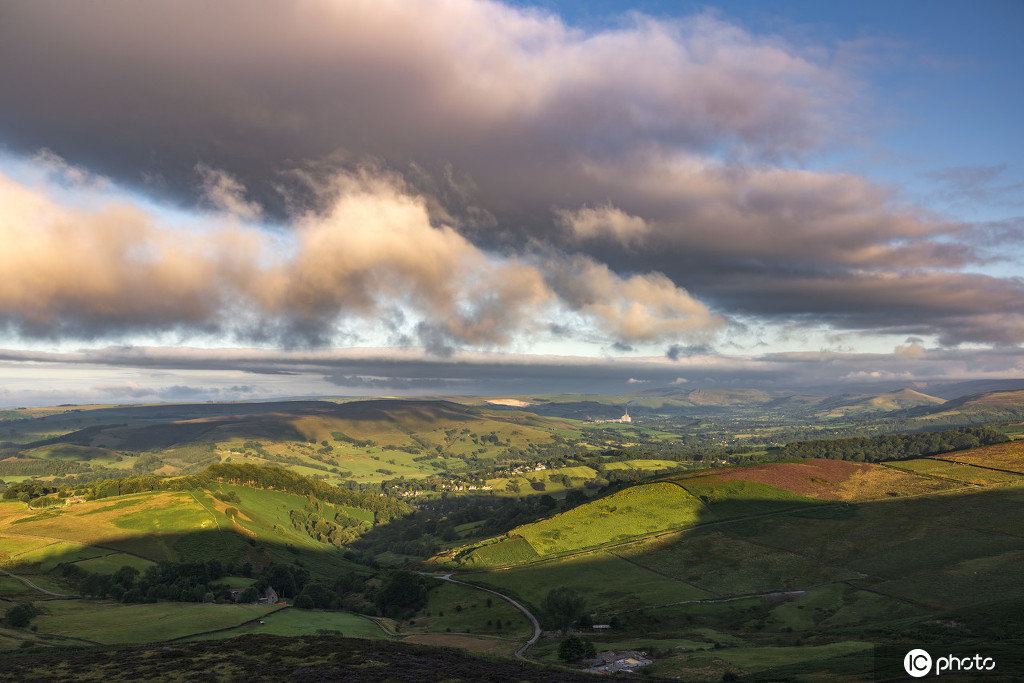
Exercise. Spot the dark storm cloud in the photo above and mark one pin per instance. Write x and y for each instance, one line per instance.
(148, 90)
(956, 307)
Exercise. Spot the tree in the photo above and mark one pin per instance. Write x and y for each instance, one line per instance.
(126, 576)
(403, 592)
(574, 647)
(250, 594)
(562, 607)
(21, 615)
(316, 596)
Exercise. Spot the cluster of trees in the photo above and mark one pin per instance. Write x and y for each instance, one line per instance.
(563, 608)
(37, 493)
(177, 582)
(358, 443)
(340, 531)
(37, 467)
(187, 582)
(573, 647)
(894, 446)
(401, 595)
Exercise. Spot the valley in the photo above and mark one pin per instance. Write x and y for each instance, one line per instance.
(702, 533)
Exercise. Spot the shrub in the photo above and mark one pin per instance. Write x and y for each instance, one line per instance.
(574, 647)
(21, 614)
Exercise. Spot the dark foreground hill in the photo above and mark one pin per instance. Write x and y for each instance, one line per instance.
(276, 658)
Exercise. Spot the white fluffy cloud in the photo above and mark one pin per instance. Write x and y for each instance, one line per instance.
(107, 268)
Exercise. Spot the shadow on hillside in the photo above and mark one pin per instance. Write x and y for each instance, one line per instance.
(930, 570)
(156, 427)
(231, 549)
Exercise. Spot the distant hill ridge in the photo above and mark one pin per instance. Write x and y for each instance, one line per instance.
(165, 426)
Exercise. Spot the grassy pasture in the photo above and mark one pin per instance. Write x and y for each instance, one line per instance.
(861, 607)
(643, 465)
(880, 532)
(577, 472)
(1003, 456)
(183, 513)
(12, 546)
(111, 562)
(738, 498)
(176, 526)
(363, 464)
(48, 555)
(104, 521)
(633, 512)
(731, 566)
(945, 551)
(124, 502)
(951, 470)
(13, 590)
(609, 583)
(982, 576)
(459, 609)
(506, 552)
(111, 622)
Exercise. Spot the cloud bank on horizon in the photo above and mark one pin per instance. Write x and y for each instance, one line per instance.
(467, 176)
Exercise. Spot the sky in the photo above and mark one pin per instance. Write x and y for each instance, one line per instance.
(249, 199)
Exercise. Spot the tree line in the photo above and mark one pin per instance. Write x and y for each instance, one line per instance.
(256, 476)
(894, 446)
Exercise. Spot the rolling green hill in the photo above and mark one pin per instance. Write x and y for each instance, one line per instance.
(777, 559)
(751, 566)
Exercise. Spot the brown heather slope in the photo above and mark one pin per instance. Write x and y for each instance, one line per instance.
(829, 479)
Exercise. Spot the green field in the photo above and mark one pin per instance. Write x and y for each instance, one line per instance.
(111, 622)
(110, 563)
(724, 564)
(637, 511)
(506, 552)
(46, 557)
(457, 609)
(957, 472)
(609, 583)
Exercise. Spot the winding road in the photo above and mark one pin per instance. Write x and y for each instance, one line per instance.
(32, 585)
(521, 652)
